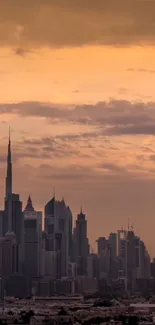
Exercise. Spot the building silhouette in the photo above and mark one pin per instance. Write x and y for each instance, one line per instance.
(32, 241)
(101, 245)
(58, 233)
(81, 244)
(13, 218)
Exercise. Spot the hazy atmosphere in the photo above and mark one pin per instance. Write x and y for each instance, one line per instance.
(77, 89)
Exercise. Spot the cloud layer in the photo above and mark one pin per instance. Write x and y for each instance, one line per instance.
(115, 117)
(58, 23)
(98, 137)
(99, 156)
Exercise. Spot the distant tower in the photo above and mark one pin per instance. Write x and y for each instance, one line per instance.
(81, 244)
(8, 243)
(32, 240)
(101, 245)
(7, 223)
(13, 221)
(58, 233)
(8, 188)
(122, 253)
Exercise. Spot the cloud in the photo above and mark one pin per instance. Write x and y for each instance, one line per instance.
(122, 91)
(47, 148)
(37, 23)
(76, 91)
(70, 173)
(115, 117)
(152, 157)
(132, 130)
(21, 52)
(111, 184)
(111, 167)
(141, 70)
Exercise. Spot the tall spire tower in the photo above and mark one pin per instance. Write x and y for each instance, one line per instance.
(9, 171)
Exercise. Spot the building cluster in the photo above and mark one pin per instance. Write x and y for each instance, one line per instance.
(58, 259)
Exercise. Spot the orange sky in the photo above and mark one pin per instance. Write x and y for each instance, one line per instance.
(78, 75)
(77, 88)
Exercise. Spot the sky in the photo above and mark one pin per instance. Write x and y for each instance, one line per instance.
(77, 89)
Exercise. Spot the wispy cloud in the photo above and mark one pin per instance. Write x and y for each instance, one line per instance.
(142, 70)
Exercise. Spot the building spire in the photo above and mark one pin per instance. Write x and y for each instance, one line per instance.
(54, 192)
(9, 171)
(29, 206)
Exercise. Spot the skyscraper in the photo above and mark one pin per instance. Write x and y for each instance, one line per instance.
(7, 216)
(49, 224)
(101, 245)
(32, 240)
(13, 219)
(58, 232)
(131, 258)
(81, 244)
(8, 256)
(8, 189)
(112, 245)
(122, 253)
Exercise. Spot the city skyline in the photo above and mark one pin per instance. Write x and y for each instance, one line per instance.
(59, 258)
(9, 190)
(77, 88)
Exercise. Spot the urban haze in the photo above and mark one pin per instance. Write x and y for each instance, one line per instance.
(77, 161)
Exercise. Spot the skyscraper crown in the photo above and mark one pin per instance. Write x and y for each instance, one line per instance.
(29, 205)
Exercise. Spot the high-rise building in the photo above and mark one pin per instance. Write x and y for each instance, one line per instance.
(32, 240)
(58, 230)
(104, 264)
(50, 264)
(93, 266)
(8, 256)
(112, 245)
(122, 253)
(49, 224)
(13, 219)
(101, 245)
(70, 234)
(16, 224)
(131, 259)
(62, 221)
(1, 222)
(81, 244)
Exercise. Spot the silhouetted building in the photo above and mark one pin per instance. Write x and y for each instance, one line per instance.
(32, 241)
(13, 219)
(8, 255)
(104, 264)
(112, 245)
(153, 268)
(58, 230)
(101, 245)
(131, 259)
(122, 253)
(18, 286)
(93, 266)
(81, 244)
